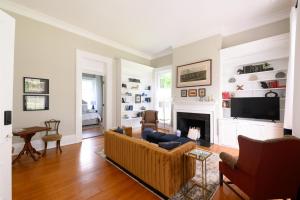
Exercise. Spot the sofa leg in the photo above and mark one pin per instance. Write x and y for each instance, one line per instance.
(221, 178)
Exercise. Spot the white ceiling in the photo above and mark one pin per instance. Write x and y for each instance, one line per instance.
(154, 26)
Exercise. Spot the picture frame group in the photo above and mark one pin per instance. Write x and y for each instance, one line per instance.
(201, 92)
(36, 94)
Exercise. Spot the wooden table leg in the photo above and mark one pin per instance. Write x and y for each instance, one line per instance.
(28, 148)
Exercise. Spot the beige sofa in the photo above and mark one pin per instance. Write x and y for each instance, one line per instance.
(155, 166)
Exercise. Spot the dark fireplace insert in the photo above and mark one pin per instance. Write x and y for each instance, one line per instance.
(185, 121)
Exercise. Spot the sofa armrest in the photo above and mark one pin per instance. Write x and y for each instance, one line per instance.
(228, 159)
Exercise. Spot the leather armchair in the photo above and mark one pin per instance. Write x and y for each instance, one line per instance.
(150, 119)
(264, 169)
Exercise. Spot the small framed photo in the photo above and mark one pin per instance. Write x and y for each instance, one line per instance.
(202, 92)
(35, 102)
(36, 85)
(138, 98)
(192, 92)
(183, 93)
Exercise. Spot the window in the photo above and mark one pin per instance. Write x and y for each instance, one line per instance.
(89, 92)
(164, 97)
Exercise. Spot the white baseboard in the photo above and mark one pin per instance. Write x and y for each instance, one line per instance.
(39, 144)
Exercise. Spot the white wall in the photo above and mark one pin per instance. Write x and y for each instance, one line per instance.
(296, 117)
(202, 50)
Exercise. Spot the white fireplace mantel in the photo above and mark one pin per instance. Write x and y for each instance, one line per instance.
(201, 107)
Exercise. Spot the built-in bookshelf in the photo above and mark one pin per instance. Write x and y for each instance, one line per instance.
(135, 92)
(268, 60)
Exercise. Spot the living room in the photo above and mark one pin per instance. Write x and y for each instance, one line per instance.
(197, 102)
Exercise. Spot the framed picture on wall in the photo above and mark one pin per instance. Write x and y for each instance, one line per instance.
(192, 92)
(194, 74)
(138, 98)
(202, 92)
(35, 102)
(35, 85)
(183, 93)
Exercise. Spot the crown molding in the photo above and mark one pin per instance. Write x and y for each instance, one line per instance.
(38, 16)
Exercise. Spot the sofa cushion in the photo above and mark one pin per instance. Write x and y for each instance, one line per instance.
(146, 132)
(169, 145)
(154, 137)
(168, 138)
(183, 140)
(118, 130)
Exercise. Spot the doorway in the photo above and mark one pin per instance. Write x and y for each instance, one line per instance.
(92, 105)
(93, 65)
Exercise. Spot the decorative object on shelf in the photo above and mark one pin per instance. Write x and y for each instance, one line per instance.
(232, 80)
(135, 87)
(271, 94)
(281, 84)
(255, 68)
(273, 84)
(280, 75)
(253, 77)
(139, 114)
(125, 116)
(124, 85)
(138, 98)
(240, 71)
(129, 107)
(194, 74)
(128, 94)
(148, 87)
(148, 99)
(123, 100)
(35, 85)
(264, 84)
(226, 104)
(239, 87)
(226, 95)
(143, 108)
(192, 92)
(183, 93)
(35, 102)
(134, 80)
(202, 92)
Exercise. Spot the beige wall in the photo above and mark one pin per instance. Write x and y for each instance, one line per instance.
(44, 51)
(162, 61)
(261, 32)
(201, 50)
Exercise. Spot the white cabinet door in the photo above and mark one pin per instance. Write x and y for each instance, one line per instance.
(227, 133)
(249, 130)
(7, 35)
(271, 131)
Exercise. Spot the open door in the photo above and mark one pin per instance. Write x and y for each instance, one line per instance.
(7, 37)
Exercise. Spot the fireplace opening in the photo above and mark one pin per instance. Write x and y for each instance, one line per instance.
(186, 121)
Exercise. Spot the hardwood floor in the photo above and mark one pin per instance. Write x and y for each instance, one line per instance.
(89, 132)
(79, 173)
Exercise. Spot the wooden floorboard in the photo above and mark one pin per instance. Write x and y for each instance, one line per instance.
(79, 173)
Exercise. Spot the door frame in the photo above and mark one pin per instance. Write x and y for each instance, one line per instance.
(104, 70)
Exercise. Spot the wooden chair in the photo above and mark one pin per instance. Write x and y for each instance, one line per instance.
(52, 134)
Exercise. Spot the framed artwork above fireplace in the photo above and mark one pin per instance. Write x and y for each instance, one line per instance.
(194, 74)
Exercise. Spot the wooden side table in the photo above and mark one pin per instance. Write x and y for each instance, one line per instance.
(27, 134)
(200, 155)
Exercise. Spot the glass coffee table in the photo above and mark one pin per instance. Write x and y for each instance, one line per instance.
(200, 155)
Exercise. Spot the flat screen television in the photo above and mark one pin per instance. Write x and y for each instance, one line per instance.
(256, 108)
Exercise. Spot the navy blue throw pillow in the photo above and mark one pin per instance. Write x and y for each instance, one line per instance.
(119, 130)
(168, 138)
(169, 145)
(183, 140)
(146, 132)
